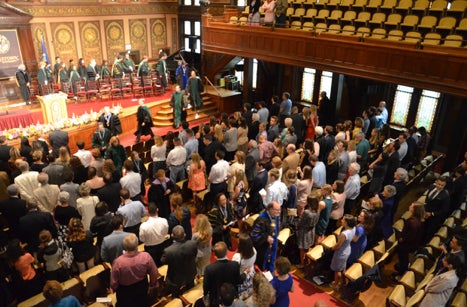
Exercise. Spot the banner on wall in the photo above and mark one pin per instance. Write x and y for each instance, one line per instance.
(10, 53)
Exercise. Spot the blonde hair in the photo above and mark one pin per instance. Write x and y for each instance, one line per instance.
(218, 133)
(203, 228)
(240, 156)
(196, 158)
(240, 176)
(262, 291)
(63, 155)
(158, 140)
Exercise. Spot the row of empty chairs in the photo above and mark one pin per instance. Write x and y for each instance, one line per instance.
(431, 38)
(447, 24)
(455, 8)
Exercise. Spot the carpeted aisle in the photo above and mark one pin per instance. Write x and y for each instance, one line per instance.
(306, 294)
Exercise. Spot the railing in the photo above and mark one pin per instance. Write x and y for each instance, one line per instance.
(215, 88)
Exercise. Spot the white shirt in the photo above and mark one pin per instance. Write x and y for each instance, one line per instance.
(384, 115)
(277, 191)
(403, 150)
(352, 187)
(132, 182)
(153, 231)
(219, 172)
(176, 156)
(158, 153)
(85, 157)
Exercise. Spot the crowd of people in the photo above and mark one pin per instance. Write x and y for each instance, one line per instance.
(70, 211)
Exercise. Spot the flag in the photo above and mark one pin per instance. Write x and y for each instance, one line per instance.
(45, 55)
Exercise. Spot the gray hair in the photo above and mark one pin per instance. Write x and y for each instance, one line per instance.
(355, 166)
(43, 178)
(253, 144)
(64, 197)
(12, 190)
(23, 166)
(402, 173)
(391, 190)
(178, 233)
(319, 130)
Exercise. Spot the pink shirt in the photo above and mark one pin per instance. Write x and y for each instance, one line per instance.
(131, 268)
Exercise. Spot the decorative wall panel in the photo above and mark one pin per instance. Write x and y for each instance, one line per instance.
(158, 35)
(115, 38)
(174, 23)
(91, 41)
(64, 40)
(38, 29)
(138, 36)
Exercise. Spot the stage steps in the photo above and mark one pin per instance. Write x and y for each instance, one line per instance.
(164, 117)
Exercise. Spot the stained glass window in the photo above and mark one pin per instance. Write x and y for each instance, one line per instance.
(427, 109)
(326, 83)
(308, 83)
(400, 109)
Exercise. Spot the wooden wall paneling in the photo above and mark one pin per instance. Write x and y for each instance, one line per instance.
(26, 43)
(378, 62)
(115, 40)
(175, 35)
(37, 30)
(91, 41)
(138, 36)
(158, 35)
(64, 41)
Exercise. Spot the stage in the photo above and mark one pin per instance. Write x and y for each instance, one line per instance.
(31, 114)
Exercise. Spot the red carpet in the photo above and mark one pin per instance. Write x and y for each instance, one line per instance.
(306, 294)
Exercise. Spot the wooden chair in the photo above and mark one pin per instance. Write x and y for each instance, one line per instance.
(116, 91)
(158, 88)
(127, 91)
(67, 88)
(81, 94)
(192, 295)
(104, 90)
(137, 88)
(96, 281)
(92, 90)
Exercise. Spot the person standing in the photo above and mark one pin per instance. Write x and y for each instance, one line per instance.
(129, 275)
(58, 138)
(42, 77)
(219, 272)
(92, 71)
(110, 121)
(23, 79)
(112, 244)
(105, 71)
(182, 74)
(181, 260)
(143, 69)
(145, 123)
(195, 88)
(162, 68)
(285, 106)
(342, 250)
(132, 212)
(268, 8)
(57, 65)
(153, 234)
(101, 138)
(178, 105)
(221, 217)
(128, 64)
(281, 8)
(264, 236)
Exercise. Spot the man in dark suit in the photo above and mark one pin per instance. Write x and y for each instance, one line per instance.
(110, 193)
(54, 170)
(101, 138)
(4, 149)
(436, 207)
(219, 272)
(255, 202)
(252, 158)
(92, 71)
(13, 208)
(30, 225)
(253, 126)
(180, 258)
(211, 145)
(23, 80)
(298, 122)
(58, 138)
(400, 183)
(111, 121)
(392, 163)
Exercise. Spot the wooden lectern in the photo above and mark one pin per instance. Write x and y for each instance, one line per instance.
(53, 107)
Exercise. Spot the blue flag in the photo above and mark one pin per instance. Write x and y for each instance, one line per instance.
(45, 55)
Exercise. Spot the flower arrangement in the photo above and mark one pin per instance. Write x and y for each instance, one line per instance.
(74, 121)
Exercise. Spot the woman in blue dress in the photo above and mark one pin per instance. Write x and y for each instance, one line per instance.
(365, 225)
(342, 250)
(282, 283)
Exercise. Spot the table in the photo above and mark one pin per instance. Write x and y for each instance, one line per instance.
(15, 118)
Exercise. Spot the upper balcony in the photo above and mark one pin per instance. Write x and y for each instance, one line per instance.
(400, 60)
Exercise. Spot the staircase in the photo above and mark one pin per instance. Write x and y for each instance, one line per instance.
(164, 116)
